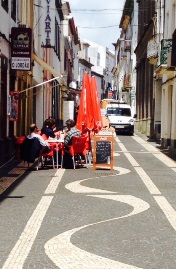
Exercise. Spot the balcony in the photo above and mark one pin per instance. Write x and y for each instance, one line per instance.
(166, 48)
(166, 59)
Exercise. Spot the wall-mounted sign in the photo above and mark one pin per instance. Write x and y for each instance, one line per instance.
(21, 40)
(14, 106)
(48, 24)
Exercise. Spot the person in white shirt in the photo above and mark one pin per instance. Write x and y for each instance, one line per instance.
(34, 133)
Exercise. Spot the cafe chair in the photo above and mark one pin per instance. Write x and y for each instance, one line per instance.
(45, 158)
(30, 150)
(59, 148)
(89, 137)
(78, 149)
(44, 137)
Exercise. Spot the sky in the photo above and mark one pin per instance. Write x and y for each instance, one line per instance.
(98, 20)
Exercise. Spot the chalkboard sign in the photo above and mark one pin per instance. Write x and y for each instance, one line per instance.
(103, 151)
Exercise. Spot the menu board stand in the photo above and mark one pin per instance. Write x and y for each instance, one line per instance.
(103, 151)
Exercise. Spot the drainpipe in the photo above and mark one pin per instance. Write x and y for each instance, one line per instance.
(164, 15)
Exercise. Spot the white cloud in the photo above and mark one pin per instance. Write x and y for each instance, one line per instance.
(98, 20)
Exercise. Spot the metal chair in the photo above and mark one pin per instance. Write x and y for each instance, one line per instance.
(43, 158)
(59, 148)
(44, 136)
(78, 148)
(89, 136)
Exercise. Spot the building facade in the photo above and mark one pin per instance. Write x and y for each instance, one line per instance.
(125, 59)
(165, 82)
(42, 64)
(145, 71)
(153, 74)
(9, 17)
(32, 82)
(101, 62)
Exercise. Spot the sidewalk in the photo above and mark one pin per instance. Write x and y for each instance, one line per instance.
(12, 172)
(156, 143)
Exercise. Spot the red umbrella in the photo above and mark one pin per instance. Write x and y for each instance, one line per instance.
(85, 116)
(96, 105)
(89, 114)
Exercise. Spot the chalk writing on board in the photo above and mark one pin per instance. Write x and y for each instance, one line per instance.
(103, 152)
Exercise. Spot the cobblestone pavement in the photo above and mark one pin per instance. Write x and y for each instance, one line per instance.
(13, 170)
(93, 219)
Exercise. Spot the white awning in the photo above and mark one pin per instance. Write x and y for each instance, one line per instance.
(46, 66)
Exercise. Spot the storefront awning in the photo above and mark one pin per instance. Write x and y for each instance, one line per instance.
(46, 66)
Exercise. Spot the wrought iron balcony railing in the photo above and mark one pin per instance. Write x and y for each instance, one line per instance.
(166, 47)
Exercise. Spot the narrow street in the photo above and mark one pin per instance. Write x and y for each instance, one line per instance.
(94, 219)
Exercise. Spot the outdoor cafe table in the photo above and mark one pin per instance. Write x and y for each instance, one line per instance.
(57, 142)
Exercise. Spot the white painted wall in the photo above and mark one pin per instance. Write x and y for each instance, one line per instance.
(93, 52)
(168, 108)
(102, 60)
(98, 80)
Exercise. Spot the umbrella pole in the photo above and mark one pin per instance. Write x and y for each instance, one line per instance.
(90, 149)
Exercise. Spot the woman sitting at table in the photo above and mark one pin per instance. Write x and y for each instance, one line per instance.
(49, 128)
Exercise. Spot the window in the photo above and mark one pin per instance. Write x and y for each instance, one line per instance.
(119, 111)
(5, 4)
(13, 9)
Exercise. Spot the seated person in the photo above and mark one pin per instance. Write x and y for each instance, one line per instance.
(45, 147)
(71, 131)
(33, 145)
(49, 128)
(103, 110)
(106, 122)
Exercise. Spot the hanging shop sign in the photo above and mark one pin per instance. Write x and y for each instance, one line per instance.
(14, 105)
(21, 40)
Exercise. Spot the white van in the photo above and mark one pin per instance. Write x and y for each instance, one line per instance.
(120, 117)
